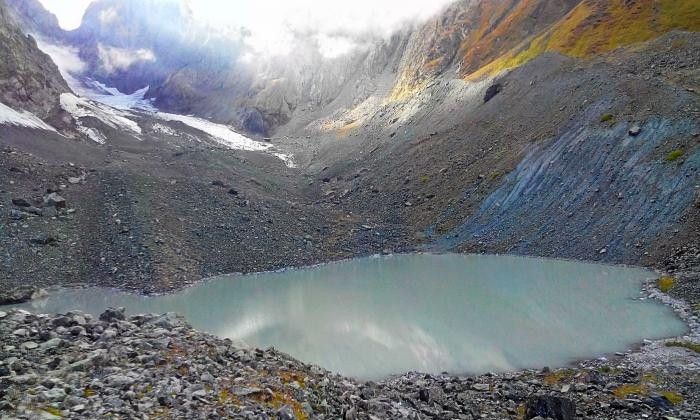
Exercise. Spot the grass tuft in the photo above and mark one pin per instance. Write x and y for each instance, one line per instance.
(607, 117)
(666, 283)
(624, 391)
(672, 397)
(674, 155)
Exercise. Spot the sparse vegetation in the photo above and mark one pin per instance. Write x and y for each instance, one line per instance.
(624, 391)
(666, 283)
(684, 344)
(672, 397)
(675, 155)
(607, 117)
(53, 411)
(558, 376)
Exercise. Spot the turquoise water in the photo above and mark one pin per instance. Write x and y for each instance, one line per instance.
(374, 317)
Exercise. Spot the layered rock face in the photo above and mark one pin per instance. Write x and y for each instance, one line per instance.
(29, 80)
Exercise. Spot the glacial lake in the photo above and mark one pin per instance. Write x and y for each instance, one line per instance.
(373, 317)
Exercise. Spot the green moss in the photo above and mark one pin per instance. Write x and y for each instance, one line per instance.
(53, 411)
(685, 344)
(624, 391)
(666, 283)
(673, 397)
(675, 155)
(607, 117)
(424, 179)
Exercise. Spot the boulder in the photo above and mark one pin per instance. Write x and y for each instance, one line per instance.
(557, 408)
(113, 314)
(635, 130)
(17, 295)
(492, 91)
(55, 200)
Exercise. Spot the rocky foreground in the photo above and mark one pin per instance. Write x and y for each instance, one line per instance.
(157, 366)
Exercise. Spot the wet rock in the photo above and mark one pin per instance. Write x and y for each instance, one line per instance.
(17, 295)
(557, 408)
(635, 130)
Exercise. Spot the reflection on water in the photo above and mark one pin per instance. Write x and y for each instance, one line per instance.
(374, 317)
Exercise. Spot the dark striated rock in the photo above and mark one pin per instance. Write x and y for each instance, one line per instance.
(492, 91)
(557, 408)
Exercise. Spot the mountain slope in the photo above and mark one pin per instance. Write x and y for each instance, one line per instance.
(598, 26)
(29, 80)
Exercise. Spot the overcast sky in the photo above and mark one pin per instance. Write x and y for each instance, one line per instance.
(271, 21)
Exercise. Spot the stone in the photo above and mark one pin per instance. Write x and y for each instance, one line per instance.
(424, 395)
(74, 180)
(113, 314)
(16, 214)
(492, 91)
(21, 202)
(481, 387)
(51, 344)
(3, 314)
(54, 394)
(33, 210)
(49, 212)
(286, 413)
(30, 345)
(556, 408)
(55, 200)
(635, 130)
(42, 239)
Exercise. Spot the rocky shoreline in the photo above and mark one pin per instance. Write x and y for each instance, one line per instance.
(151, 366)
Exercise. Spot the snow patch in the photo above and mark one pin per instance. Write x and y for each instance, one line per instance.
(222, 134)
(93, 134)
(113, 97)
(83, 107)
(287, 159)
(9, 116)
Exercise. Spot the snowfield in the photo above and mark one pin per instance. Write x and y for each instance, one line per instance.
(9, 116)
(80, 107)
(113, 97)
(222, 134)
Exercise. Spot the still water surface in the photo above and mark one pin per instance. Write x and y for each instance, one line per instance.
(374, 317)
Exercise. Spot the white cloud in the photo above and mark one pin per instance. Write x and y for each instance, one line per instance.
(274, 24)
(107, 16)
(69, 12)
(114, 59)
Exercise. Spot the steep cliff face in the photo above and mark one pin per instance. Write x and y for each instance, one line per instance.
(29, 80)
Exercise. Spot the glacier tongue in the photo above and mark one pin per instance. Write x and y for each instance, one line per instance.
(80, 107)
(113, 97)
(222, 134)
(9, 116)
